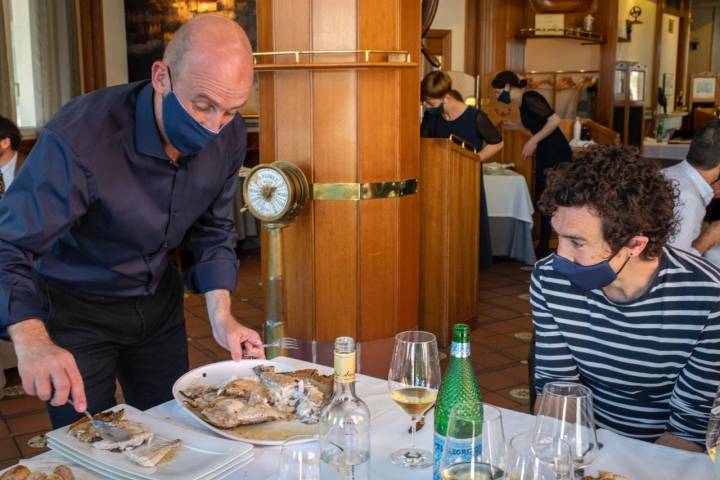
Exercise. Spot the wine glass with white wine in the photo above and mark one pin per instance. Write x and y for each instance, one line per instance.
(712, 438)
(413, 381)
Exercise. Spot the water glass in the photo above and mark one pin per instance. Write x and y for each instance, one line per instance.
(566, 412)
(549, 459)
(474, 445)
(300, 458)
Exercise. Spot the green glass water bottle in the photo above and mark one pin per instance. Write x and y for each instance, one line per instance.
(459, 389)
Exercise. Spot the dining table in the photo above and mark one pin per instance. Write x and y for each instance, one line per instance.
(510, 214)
(634, 459)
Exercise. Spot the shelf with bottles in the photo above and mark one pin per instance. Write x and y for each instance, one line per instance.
(569, 33)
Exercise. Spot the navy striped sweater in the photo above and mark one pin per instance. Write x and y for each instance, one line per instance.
(653, 364)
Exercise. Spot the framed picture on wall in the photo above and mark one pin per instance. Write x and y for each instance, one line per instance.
(704, 88)
(668, 84)
(149, 26)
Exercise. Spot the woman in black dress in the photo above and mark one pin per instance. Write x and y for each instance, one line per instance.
(548, 141)
(444, 115)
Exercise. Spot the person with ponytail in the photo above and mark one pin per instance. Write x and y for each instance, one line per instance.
(547, 142)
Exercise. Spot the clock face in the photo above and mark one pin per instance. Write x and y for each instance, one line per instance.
(268, 193)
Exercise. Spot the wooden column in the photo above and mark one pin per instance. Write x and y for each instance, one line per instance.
(351, 265)
(490, 43)
(607, 22)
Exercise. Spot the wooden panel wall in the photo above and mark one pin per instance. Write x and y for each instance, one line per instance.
(351, 266)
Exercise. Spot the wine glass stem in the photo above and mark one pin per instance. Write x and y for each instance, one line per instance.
(412, 434)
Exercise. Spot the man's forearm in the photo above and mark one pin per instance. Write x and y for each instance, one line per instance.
(32, 329)
(218, 303)
(704, 242)
(670, 440)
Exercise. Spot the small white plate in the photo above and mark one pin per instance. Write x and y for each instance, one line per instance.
(199, 456)
(107, 472)
(269, 433)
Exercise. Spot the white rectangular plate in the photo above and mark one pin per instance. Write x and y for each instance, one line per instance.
(269, 433)
(200, 454)
(104, 471)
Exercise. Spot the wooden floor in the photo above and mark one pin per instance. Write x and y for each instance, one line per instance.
(499, 348)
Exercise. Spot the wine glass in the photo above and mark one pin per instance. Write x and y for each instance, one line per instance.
(300, 458)
(413, 381)
(549, 459)
(712, 438)
(474, 445)
(566, 412)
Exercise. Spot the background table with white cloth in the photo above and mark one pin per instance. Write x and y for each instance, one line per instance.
(635, 459)
(510, 211)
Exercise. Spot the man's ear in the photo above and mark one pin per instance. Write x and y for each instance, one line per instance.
(637, 245)
(159, 77)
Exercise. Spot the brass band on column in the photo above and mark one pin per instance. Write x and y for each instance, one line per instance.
(364, 191)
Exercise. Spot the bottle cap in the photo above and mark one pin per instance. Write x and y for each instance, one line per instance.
(461, 333)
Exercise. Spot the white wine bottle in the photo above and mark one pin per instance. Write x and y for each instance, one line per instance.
(345, 422)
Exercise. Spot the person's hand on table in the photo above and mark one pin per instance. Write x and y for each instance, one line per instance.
(46, 370)
(241, 341)
(529, 148)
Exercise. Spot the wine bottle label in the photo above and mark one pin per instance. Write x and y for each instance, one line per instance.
(345, 367)
(460, 350)
(459, 450)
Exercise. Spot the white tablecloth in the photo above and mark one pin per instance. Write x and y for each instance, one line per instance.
(508, 196)
(510, 211)
(670, 151)
(635, 459)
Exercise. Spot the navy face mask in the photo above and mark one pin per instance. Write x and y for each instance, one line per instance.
(587, 277)
(434, 110)
(185, 133)
(504, 97)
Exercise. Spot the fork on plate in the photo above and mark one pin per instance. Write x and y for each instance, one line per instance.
(106, 430)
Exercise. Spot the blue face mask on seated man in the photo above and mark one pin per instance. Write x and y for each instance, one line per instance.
(504, 97)
(185, 133)
(587, 277)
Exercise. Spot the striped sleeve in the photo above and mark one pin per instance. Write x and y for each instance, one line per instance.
(695, 389)
(553, 360)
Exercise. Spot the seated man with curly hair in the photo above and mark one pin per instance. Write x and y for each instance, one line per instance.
(618, 310)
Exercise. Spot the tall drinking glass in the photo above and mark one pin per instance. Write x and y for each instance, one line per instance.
(529, 460)
(566, 412)
(413, 381)
(300, 458)
(474, 448)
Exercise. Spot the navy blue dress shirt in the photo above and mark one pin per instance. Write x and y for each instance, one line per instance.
(98, 204)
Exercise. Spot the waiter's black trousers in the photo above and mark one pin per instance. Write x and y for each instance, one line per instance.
(140, 341)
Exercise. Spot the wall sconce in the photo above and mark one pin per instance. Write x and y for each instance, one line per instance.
(635, 12)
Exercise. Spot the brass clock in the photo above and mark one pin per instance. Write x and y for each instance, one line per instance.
(276, 192)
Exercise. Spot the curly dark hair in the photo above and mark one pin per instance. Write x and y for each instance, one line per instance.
(629, 193)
